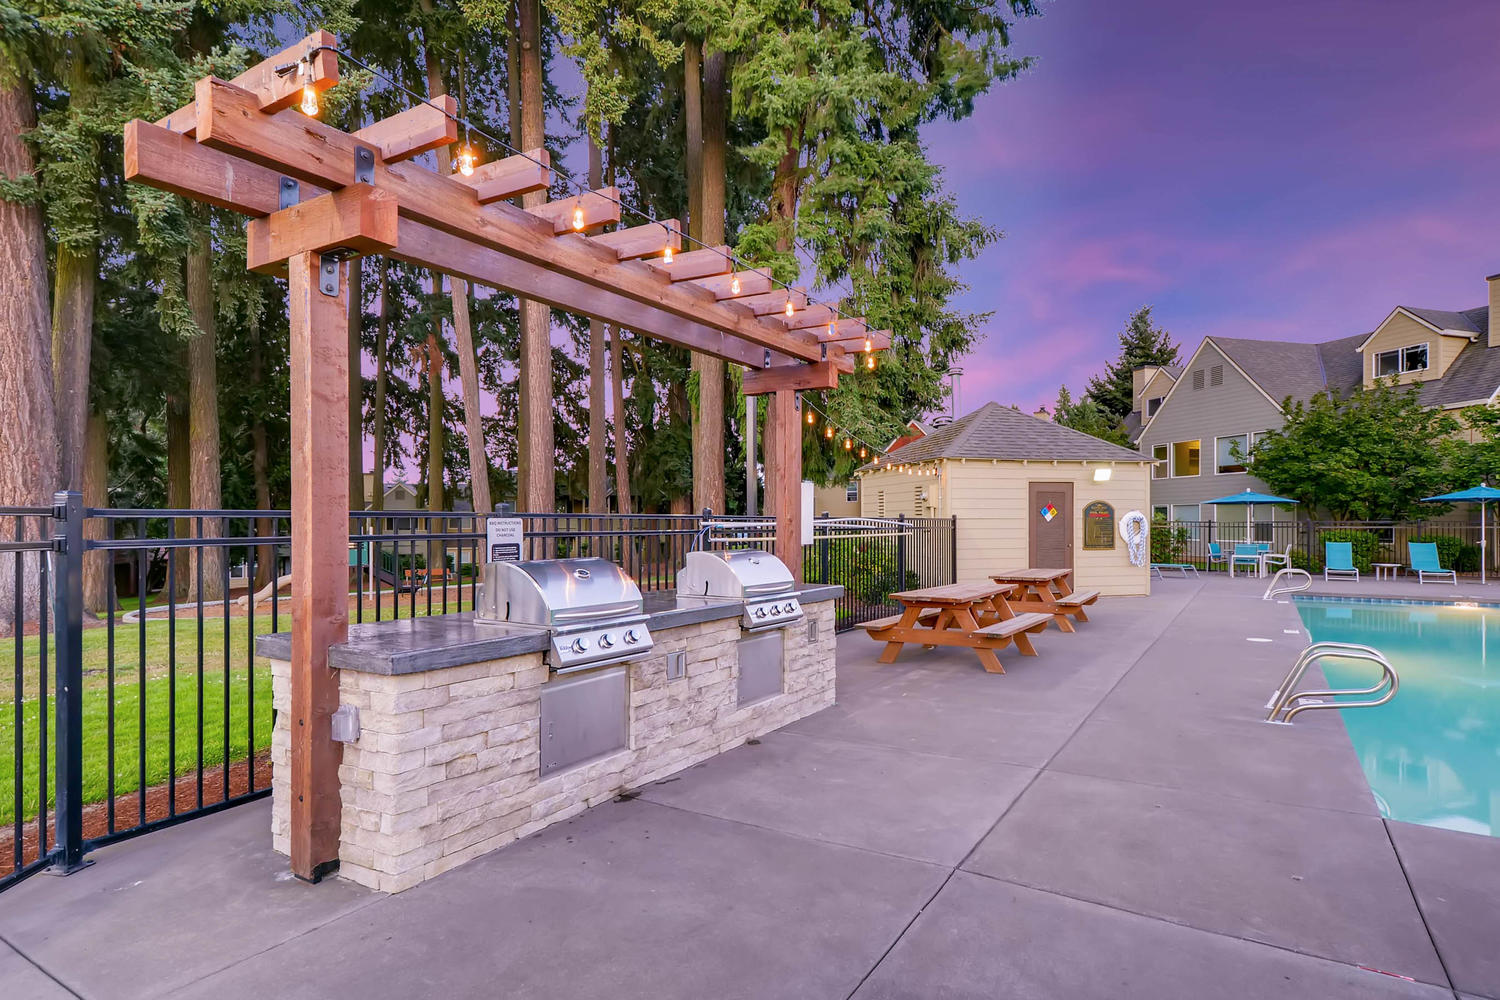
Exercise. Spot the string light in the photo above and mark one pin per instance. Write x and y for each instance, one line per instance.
(734, 285)
(828, 432)
(862, 452)
(578, 215)
(869, 345)
(466, 161)
(810, 418)
(870, 362)
(832, 330)
(848, 444)
(789, 306)
(309, 101)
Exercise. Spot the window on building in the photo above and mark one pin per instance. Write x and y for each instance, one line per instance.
(1187, 512)
(1216, 375)
(1161, 513)
(851, 491)
(1159, 466)
(1197, 379)
(1185, 458)
(1398, 362)
(1230, 453)
(1152, 405)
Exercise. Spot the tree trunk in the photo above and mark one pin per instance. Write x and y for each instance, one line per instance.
(206, 565)
(622, 445)
(72, 340)
(179, 485)
(708, 427)
(536, 470)
(94, 475)
(260, 462)
(377, 421)
(28, 430)
(356, 390)
(598, 460)
(692, 132)
(435, 442)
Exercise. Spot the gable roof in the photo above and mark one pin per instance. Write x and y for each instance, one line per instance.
(1000, 432)
(1280, 368)
(1461, 322)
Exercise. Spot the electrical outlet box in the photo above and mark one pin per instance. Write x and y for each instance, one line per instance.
(677, 665)
(345, 724)
(812, 630)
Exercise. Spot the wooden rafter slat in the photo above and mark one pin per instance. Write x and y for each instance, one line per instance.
(697, 264)
(511, 176)
(649, 240)
(810, 318)
(176, 163)
(774, 303)
(751, 282)
(413, 131)
(879, 340)
(581, 213)
(273, 91)
(323, 155)
(841, 329)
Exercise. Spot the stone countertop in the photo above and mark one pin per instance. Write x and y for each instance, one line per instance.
(411, 645)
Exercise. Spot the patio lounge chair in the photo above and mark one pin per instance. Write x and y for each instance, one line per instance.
(1338, 559)
(1424, 562)
(1276, 560)
(1245, 554)
(1216, 556)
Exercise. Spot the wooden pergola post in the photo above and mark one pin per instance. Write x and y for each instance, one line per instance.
(784, 475)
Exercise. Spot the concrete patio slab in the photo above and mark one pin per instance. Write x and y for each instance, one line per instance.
(20, 980)
(1456, 877)
(170, 907)
(915, 805)
(629, 900)
(981, 939)
(1314, 881)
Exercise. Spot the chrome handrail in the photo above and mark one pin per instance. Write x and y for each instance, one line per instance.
(1272, 591)
(1283, 699)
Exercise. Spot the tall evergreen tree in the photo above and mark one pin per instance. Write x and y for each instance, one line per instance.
(1141, 343)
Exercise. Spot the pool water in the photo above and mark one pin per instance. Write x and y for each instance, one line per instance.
(1431, 754)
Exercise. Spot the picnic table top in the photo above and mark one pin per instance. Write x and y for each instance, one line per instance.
(953, 593)
(1029, 575)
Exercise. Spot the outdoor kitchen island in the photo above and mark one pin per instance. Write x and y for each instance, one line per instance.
(467, 738)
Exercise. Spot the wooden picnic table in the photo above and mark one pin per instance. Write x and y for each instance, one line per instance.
(973, 615)
(1048, 591)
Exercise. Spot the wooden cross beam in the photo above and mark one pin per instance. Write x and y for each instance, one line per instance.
(510, 176)
(273, 88)
(587, 212)
(738, 284)
(413, 131)
(698, 264)
(649, 240)
(774, 303)
(841, 329)
(822, 375)
(811, 317)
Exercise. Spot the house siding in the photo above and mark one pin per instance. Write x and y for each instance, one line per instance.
(1400, 330)
(1237, 406)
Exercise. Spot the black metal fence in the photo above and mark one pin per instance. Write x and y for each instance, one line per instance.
(1204, 542)
(135, 697)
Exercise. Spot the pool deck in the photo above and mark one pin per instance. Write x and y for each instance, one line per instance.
(1106, 820)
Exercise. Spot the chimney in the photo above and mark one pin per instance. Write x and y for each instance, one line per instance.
(1041, 411)
(1493, 338)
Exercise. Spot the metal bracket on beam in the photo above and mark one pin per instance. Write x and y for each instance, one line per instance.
(825, 352)
(290, 192)
(364, 165)
(328, 273)
(767, 362)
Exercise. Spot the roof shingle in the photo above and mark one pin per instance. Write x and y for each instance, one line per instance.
(1000, 432)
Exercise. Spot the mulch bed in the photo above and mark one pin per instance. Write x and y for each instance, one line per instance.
(127, 807)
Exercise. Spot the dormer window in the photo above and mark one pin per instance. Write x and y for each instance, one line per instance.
(1399, 362)
(1152, 405)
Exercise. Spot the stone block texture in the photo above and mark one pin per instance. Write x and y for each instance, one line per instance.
(447, 765)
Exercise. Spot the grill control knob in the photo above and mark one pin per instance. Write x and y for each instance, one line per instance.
(775, 611)
(606, 641)
(632, 637)
(791, 607)
(760, 612)
(580, 645)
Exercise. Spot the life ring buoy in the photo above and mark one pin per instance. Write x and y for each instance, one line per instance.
(1135, 529)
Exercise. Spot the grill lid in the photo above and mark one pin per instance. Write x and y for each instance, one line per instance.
(741, 573)
(560, 593)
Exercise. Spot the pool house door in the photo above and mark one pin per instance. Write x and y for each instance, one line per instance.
(1050, 516)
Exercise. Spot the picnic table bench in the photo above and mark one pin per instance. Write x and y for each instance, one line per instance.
(971, 615)
(1048, 592)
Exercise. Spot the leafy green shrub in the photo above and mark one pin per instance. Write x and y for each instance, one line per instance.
(867, 570)
(1453, 552)
(1168, 541)
(1364, 545)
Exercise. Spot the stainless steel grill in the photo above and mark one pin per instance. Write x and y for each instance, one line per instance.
(758, 578)
(591, 607)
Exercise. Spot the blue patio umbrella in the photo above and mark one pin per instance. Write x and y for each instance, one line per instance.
(1481, 495)
(1250, 498)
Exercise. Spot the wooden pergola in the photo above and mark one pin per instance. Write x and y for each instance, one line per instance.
(318, 196)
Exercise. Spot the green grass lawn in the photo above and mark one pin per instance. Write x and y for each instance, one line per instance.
(170, 667)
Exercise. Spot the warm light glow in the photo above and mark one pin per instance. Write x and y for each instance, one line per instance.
(848, 444)
(870, 362)
(828, 432)
(578, 215)
(862, 453)
(788, 307)
(833, 330)
(466, 160)
(666, 256)
(877, 459)
(734, 285)
(1101, 475)
(869, 345)
(309, 101)
(811, 419)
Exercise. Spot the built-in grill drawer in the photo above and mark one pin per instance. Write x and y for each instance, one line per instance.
(584, 716)
(761, 675)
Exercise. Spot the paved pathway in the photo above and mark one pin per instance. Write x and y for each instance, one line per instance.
(1106, 820)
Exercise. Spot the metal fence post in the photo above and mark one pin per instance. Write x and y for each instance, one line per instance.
(952, 549)
(823, 552)
(67, 625)
(901, 552)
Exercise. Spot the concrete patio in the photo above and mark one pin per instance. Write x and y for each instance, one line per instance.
(1106, 820)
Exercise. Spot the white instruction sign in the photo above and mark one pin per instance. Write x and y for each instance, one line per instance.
(502, 539)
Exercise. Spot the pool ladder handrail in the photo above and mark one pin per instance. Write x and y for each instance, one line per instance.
(1282, 699)
(1273, 591)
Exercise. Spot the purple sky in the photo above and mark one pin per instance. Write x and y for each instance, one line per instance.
(1288, 169)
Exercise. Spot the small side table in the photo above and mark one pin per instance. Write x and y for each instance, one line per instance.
(1386, 571)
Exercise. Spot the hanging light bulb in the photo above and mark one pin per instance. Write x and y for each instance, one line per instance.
(309, 104)
(832, 330)
(810, 418)
(789, 306)
(466, 160)
(870, 362)
(862, 453)
(734, 285)
(578, 215)
(869, 345)
(666, 255)
(877, 460)
(828, 432)
(848, 444)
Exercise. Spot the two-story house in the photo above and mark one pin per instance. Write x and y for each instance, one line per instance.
(1232, 390)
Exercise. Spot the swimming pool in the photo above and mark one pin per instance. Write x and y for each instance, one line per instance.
(1432, 754)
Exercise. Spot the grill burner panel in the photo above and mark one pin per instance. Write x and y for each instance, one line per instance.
(751, 575)
(593, 610)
